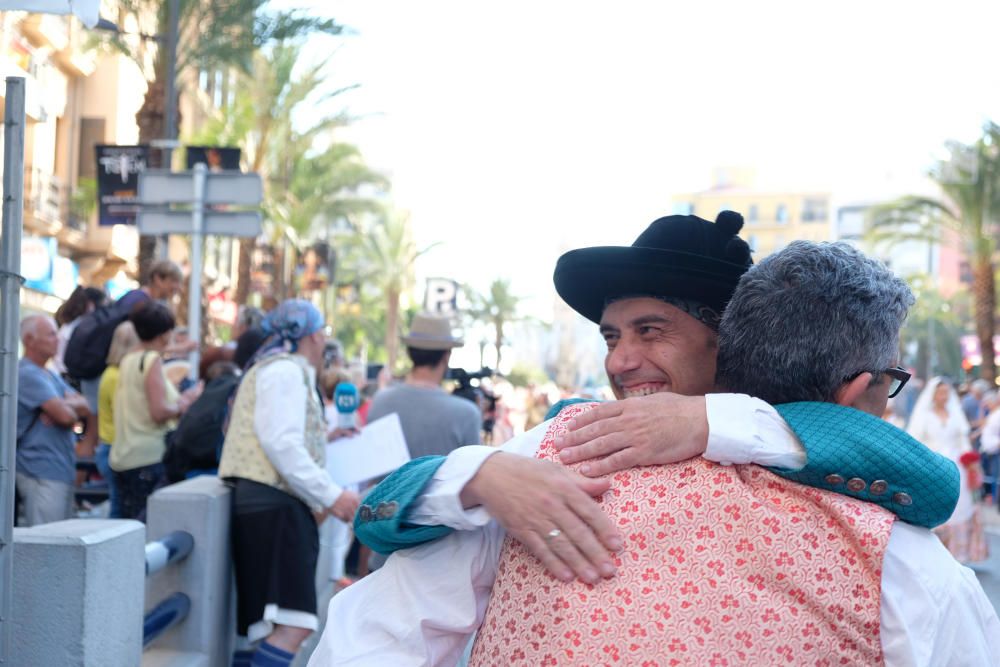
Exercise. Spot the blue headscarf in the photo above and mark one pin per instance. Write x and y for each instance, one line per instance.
(287, 324)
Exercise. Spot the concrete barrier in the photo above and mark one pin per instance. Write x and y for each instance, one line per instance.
(78, 593)
(201, 507)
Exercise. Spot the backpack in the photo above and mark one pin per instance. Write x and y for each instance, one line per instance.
(87, 349)
(197, 441)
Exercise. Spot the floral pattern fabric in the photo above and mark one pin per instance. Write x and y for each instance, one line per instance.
(721, 566)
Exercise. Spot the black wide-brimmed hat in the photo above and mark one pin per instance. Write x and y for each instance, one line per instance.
(680, 256)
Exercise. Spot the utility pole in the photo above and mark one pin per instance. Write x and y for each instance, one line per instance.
(10, 287)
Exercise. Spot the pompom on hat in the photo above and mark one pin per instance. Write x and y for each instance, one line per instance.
(677, 256)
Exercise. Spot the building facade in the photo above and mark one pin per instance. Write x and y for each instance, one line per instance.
(76, 97)
(772, 219)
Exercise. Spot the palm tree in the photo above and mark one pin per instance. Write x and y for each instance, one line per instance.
(220, 34)
(302, 185)
(967, 211)
(382, 257)
(497, 308)
(934, 326)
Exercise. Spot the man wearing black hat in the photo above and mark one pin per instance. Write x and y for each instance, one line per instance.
(658, 303)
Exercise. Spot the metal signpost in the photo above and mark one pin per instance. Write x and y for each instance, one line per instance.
(10, 295)
(165, 196)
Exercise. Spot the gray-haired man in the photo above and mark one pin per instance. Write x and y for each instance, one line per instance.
(47, 410)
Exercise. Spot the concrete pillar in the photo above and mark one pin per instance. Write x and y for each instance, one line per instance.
(78, 593)
(201, 507)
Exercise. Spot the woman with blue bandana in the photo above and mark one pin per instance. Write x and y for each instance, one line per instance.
(274, 460)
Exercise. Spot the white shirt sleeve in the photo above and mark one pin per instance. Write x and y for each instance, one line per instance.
(419, 609)
(991, 434)
(440, 504)
(934, 611)
(743, 429)
(279, 421)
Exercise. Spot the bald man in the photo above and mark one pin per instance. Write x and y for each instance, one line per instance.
(47, 410)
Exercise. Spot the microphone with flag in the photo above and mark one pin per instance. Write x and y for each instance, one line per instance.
(346, 399)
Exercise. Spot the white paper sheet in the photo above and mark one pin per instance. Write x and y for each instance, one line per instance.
(379, 449)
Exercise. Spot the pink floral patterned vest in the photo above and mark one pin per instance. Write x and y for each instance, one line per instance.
(721, 566)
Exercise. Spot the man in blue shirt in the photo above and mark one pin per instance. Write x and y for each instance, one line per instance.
(47, 410)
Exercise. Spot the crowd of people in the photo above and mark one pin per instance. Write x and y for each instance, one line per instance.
(765, 463)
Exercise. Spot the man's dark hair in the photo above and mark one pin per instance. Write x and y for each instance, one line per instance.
(807, 319)
(426, 357)
(151, 319)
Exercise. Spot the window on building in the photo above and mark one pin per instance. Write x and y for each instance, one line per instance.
(781, 214)
(752, 213)
(814, 210)
(752, 242)
(683, 208)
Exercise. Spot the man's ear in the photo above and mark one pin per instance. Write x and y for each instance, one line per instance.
(851, 390)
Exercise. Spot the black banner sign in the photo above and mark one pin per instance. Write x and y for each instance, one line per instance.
(118, 169)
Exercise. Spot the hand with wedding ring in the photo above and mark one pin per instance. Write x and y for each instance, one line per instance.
(640, 431)
(549, 509)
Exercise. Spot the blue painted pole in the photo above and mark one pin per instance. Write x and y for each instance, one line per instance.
(164, 616)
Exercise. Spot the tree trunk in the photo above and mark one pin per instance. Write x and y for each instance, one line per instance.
(243, 271)
(150, 119)
(392, 329)
(984, 295)
(498, 343)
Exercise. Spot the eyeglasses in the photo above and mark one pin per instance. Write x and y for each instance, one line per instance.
(899, 377)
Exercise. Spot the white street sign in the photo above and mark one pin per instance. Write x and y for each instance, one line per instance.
(154, 222)
(157, 186)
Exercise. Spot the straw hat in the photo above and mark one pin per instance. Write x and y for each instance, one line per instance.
(431, 332)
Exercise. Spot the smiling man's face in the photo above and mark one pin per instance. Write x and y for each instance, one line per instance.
(653, 347)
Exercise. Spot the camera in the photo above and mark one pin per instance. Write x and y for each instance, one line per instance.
(464, 386)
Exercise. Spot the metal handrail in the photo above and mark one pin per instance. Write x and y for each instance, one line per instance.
(164, 616)
(168, 549)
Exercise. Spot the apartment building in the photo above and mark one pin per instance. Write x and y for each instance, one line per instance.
(772, 218)
(76, 97)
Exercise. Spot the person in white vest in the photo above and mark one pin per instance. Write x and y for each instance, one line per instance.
(721, 564)
(274, 457)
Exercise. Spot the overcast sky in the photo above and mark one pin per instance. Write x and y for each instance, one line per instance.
(513, 131)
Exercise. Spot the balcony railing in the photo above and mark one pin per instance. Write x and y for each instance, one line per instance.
(44, 195)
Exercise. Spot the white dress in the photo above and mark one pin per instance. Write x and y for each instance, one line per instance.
(951, 440)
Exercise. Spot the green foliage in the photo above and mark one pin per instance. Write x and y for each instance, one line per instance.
(497, 308)
(968, 211)
(83, 201)
(380, 257)
(934, 325)
(309, 177)
(523, 375)
(215, 34)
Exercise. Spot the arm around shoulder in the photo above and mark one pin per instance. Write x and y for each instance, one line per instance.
(859, 455)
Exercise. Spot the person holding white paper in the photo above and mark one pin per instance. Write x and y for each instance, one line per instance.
(274, 458)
